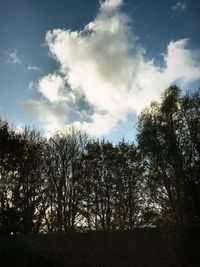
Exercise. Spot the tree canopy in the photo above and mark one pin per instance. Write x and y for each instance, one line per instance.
(73, 182)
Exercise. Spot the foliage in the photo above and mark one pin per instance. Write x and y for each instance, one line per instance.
(72, 182)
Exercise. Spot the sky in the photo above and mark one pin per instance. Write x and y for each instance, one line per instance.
(94, 64)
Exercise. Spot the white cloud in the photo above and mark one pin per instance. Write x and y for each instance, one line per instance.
(50, 86)
(105, 63)
(33, 68)
(180, 6)
(51, 116)
(108, 5)
(182, 63)
(54, 88)
(13, 58)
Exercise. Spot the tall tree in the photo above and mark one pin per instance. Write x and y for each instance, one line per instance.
(171, 154)
(64, 179)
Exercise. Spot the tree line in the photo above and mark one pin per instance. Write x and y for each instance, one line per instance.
(73, 182)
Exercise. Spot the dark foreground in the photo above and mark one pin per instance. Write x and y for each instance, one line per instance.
(139, 248)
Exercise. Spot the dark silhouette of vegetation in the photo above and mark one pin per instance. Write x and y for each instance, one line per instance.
(169, 139)
(72, 183)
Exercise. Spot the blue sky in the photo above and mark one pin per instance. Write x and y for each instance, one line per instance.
(93, 64)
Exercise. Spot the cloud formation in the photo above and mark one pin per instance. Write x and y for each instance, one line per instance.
(182, 64)
(105, 64)
(14, 58)
(180, 6)
(51, 116)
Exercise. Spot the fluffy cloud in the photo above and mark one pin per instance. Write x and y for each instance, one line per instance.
(105, 64)
(51, 86)
(51, 116)
(181, 63)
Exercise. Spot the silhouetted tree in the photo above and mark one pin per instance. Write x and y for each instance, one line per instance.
(128, 184)
(64, 179)
(113, 178)
(72, 182)
(168, 139)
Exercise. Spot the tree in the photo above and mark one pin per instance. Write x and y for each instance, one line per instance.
(128, 177)
(64, 179)
(20, 165)
(113, 180)
(168, 140)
